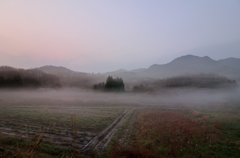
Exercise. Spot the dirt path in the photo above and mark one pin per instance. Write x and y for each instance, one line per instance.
(64, 138)
(103, 138)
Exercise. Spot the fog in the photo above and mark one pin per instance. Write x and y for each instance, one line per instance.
(78, 97)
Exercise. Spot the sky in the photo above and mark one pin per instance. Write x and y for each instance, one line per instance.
(106, 35)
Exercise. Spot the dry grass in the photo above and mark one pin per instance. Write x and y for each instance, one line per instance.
(165, 134)
(29, 151)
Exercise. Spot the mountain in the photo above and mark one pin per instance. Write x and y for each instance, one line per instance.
(54, 69)
(31, 78)
(119, 71)
(138, 70)
(69, 78)
(184, 65)
(190, 64)
(233, 63)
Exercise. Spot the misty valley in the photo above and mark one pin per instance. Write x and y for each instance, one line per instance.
(170, 110)
(119, 79)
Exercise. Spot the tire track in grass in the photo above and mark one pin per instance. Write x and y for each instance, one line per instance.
(103, 138)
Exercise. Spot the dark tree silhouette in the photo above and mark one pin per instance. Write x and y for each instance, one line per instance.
(114, 84)
(33, 78)
(17, 81)
(100, 85)
(111, 84)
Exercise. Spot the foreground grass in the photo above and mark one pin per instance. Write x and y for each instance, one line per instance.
(20, 147)
(35, 119)
(210, 130)
(180, 133)
(58, 117)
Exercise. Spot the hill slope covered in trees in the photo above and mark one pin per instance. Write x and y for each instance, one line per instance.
(31, 78)
(53, 76)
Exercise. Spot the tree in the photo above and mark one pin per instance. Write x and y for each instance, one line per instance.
(17, 81)
(109, 83)
(114, 84)
(99, 86)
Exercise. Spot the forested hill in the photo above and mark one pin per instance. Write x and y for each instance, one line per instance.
(47, 76)
(69, 78)
(53, 76)
(203, 80)
(31, 78)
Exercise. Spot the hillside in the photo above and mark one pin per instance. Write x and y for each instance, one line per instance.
(54, 69)
(31, 78)
(233, 63)
(184, 65)
(69, 78)
(190, 64)
(210, 81)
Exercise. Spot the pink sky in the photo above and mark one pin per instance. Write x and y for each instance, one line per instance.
(108, 35)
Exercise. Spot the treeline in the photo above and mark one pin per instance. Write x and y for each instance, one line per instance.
(110, 85)
(32, 78)
(198, 81)
(51, 77)
(191, 81)
(69, 78)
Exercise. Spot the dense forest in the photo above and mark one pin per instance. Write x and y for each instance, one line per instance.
(199, 80)
(188, 81)
(31, 78)
(47, 77)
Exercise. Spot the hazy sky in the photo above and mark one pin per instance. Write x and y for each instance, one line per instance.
(105, 35)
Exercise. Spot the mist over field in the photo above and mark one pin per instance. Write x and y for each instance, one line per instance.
(187, 107)
(103, 117)
(68, 97)
(114, 79)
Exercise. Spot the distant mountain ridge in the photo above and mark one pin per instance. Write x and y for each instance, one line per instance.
(233, 63)
(54, 69)
(184, 65)
(194, 64)
(188, 64)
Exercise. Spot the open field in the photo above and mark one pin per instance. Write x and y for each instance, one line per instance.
(57, 119)
(171, 124)
(56, 122)
(180, 132)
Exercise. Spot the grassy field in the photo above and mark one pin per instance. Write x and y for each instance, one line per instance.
(189, 131)
(92, 119)
(62, 125)
(21, 123)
